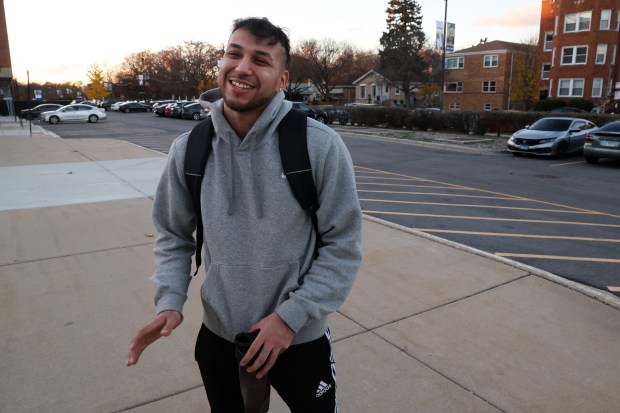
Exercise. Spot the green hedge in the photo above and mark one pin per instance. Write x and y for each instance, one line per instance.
(476, 122)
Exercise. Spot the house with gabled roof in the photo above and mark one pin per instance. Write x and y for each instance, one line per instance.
(373, 87)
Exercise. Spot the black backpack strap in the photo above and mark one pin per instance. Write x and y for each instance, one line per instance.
(293, 142)
(196, 155)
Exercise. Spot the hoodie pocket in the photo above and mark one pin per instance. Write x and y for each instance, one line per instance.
(237, 296)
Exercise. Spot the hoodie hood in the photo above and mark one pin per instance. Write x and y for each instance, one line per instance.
(263, 131)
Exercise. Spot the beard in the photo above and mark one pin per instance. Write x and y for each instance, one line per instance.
(250, 106)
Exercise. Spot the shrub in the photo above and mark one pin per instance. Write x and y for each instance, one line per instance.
(395, 117)
(545, 105)
(584, 104)
(367, 116)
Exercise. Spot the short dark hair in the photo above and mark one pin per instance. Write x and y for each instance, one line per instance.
(262, 28)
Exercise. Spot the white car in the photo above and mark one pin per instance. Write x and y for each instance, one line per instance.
(116, 106)
(74, 113)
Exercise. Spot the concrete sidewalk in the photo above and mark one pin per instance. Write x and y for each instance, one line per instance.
(430, 326)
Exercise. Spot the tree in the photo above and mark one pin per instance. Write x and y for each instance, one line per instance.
(402, 43)
(524, 82)
(96, 90)
(326, 60)
(299, 75)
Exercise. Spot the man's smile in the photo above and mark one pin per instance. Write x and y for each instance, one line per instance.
(241, 85)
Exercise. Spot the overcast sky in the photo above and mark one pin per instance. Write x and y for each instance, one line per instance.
(58, 40)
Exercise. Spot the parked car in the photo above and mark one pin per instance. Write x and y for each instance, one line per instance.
(311, 112)
(336, 113)
(177, 107)
(34, 113)
(116, 105)
(160, 107)
(134, 107)
(74, 113)
(105, 105)
(551, 137)
(191, 111)
(603, 143)
(168, 110)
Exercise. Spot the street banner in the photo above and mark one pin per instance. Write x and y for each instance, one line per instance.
(450, 29)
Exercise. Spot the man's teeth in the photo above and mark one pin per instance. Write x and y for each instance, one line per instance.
(241, 85)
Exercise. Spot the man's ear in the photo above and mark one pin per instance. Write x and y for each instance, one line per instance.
(284, 79)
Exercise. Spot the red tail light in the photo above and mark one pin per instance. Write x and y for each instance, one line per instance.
(588, 137)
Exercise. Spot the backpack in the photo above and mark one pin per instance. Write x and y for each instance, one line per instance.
(293, 147)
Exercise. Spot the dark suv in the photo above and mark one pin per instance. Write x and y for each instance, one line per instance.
(311, 112)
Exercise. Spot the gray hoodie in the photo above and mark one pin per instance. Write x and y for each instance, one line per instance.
(259, 243)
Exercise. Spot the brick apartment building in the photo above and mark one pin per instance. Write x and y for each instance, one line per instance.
(577, 49)
(6, 73)
(480, 77)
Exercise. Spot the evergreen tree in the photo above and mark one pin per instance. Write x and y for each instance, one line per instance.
(402, 43)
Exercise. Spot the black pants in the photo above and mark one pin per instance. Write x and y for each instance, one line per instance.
(304, 375)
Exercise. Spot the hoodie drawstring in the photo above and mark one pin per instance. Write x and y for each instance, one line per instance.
(254, 172)
(231, 200)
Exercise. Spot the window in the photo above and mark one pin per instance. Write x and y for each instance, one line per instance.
(605, 20)
(577, 22)
(374, 90)
(488, 86)
(397, 91)
(618, 21)
(574, 55)
(454, 106)
(387, 88)
(546, 70)
(362, 91)
(613, 55)
(601, 54)
(487, 106)
(548, 41)
(455, 63)
(597, 87)
(453, 87)
(570, 88)
(491, 60)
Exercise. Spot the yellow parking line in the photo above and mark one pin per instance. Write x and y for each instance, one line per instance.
(435, 194)
(387, 179)
(411, 186)
(557, 257)
(502, 194)
(500, 234)
(472, 206)
(411, 214)
(569, 163)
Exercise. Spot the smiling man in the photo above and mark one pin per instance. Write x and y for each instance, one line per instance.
(264, 274)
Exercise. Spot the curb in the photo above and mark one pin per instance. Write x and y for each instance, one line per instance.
(599, 295)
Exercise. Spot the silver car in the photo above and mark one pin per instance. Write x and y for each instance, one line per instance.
(74, 113)
(603, 143)
(551, 137)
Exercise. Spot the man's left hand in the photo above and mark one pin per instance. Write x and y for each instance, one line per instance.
(275, 336)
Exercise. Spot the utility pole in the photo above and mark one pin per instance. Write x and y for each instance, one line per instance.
(443, 56)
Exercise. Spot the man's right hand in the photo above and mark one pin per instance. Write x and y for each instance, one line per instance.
(161, 326)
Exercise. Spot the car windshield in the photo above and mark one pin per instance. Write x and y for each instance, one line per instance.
(552, 125)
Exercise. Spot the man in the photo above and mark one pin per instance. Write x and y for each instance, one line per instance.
(262, 270)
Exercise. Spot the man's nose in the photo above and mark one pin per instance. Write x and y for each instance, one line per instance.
(244, 65)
